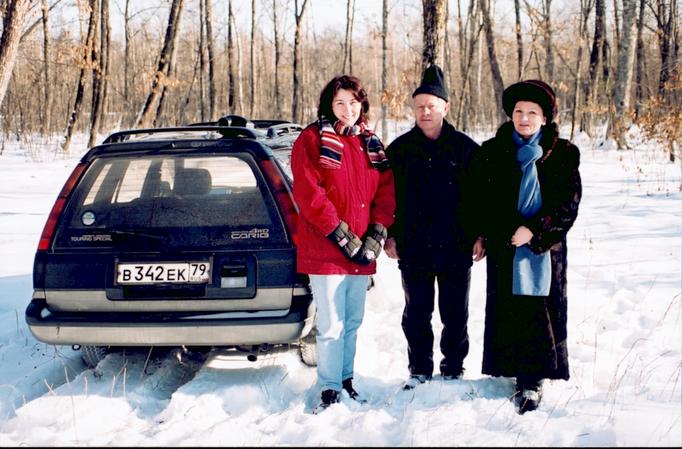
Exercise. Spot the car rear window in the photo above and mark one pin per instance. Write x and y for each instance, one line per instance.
(213, 200)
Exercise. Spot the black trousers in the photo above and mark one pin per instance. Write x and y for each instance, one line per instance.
(453, 305)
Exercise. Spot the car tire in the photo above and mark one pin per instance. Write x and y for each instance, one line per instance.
(308, 348)
(92, 355)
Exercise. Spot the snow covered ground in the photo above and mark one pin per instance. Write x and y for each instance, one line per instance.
(625, 329)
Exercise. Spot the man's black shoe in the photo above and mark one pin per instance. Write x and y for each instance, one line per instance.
(328, 397)
(352, 393)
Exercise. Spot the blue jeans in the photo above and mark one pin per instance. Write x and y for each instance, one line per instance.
(340, 302)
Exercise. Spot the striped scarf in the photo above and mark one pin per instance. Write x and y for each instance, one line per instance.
(331, 147)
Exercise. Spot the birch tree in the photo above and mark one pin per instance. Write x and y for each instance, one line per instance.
(12, 23)
(623, 77)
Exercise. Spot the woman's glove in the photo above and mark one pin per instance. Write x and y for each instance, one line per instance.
(372, 242)
(348, 242)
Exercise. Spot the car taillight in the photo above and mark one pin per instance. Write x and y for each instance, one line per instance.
(51, 224)
(283, 196)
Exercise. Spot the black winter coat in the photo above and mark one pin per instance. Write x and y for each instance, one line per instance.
(526, 335)
(432, 227)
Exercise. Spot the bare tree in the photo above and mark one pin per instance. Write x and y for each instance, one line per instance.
(640, 58)
(86, 63)
(202, 59)
(434, 16)
(384, 67)
(252, 72)
(127, 33)
(498, 83)
(12, 22)
(585, 9)
(468, 48)
(592, 86)
(666, 16)
(549, 49)
(100, 73)
(163, 66)
(623, 81)
(296, 112)
(519, 40)
(348, 41)
(47, 109)
(278, 103)
(230, 59)
(210, 44)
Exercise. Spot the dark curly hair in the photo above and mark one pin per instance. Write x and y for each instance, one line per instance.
(348, 82)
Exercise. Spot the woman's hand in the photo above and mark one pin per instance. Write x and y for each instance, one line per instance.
(522, 236)
(479, 249)
(391, 248)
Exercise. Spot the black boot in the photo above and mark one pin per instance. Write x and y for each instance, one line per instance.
(328, 397)
(528, 395)
(348, 386)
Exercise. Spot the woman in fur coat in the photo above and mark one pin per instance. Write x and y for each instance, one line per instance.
(530, 190)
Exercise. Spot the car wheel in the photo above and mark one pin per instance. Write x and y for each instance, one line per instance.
(92, 355)
(308, 348)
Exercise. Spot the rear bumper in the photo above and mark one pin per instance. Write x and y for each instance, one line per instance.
(151, 330)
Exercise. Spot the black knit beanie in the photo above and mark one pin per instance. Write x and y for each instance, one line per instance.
(432, 83)
(535, 91)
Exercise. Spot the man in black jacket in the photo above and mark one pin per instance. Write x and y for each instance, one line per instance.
(433, 237)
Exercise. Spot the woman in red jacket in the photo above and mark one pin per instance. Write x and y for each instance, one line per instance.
(344, 190)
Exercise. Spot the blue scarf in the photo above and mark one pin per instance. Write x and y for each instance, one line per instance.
(532, 273)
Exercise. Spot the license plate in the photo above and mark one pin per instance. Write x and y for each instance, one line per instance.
(163, 273)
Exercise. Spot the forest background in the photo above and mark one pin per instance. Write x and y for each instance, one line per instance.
(94, 66)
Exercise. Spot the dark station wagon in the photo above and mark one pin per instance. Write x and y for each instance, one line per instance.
(174, 237)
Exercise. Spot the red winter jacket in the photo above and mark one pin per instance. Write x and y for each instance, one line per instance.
(356, 193)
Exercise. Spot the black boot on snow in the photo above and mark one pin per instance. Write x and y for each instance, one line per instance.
(328, 397)
(352, 393)
(528, 396)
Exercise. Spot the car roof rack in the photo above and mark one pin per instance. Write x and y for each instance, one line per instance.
(226, 132)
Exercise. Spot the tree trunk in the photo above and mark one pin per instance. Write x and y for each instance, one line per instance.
(210, 45)
(80, 87)
(126, 58)
(384, 69)
(252, 71)
(434, 16)
(585, 8)
(13, 20)
(47, 98)
(623, 81)
(162, 71)
(470, 46)
(278, 101)
(549, 50)
(97, 77)
(348, 39)
(519, 40)
(172, 71)
(202, 60)
(665, 18)
(296, 112)
(639, 68)
(498, 83)
(230, 59)
(592, 86)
